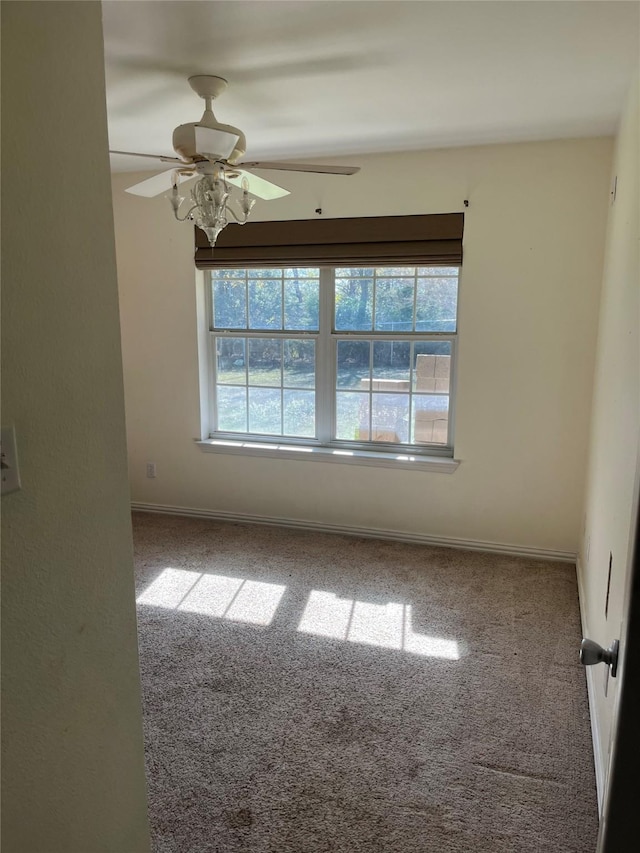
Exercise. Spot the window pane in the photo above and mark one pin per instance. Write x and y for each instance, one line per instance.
(391, 365)
(265, 303)
(299, 366)
(301, 272)
(232, 409)
(436, 304)
(265, 411)
(354, 304)
(231, 363)
(265, 359)
(223, 275)
(394, 272)
(352, 416)
(301, 304)
(390, 417)
(438, 271)
(300, 413)
(229, 303)
(394, 304)
(353, 364)
(430, 419)
(355, 272)
(271, 272)
(432, 366)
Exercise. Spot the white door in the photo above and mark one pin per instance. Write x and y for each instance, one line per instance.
(620, 822)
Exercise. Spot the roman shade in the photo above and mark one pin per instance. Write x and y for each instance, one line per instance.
(434, 239)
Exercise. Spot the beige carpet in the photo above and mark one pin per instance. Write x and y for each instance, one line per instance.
(311, 693)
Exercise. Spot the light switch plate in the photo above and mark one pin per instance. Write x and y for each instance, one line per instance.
(10, 473)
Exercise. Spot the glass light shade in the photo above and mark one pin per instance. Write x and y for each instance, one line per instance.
(210, 205)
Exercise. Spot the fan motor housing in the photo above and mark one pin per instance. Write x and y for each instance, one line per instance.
(184, 141)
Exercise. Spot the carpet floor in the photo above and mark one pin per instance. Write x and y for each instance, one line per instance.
(313, 693)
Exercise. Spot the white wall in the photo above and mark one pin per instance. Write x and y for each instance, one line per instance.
(534, 239)
(615, 435)
(73, 769)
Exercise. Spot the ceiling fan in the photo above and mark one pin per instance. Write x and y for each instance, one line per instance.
(212, 150)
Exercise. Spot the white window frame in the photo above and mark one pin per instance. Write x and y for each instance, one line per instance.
(323, 446)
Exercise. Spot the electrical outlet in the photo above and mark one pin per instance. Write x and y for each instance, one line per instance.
(10, 473)
(151, 470)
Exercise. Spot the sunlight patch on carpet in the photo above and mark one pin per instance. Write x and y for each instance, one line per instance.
(224, 597)
(387, 625)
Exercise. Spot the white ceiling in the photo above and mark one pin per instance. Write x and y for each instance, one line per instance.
(339, 77)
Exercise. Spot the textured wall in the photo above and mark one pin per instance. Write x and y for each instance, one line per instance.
(534, 240)
(615, 437)
(73, 774)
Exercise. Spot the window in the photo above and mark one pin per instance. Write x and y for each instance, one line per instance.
(350, 357)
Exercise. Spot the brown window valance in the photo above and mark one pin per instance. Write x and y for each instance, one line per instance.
(434, 239)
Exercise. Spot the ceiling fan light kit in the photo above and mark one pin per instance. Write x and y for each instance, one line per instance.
(212, 150)
(210, 210)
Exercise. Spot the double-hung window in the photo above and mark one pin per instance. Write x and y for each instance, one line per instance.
(352, 357)
(336, 335)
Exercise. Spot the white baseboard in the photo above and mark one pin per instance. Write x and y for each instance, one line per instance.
(366, 532)
(598, 754)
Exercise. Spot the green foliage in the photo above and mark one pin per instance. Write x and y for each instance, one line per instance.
(266, 299)
(396, 294)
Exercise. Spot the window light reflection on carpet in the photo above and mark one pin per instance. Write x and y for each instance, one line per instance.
(231, 598)
(387, 625)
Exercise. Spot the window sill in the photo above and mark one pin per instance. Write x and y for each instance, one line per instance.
(374, 458)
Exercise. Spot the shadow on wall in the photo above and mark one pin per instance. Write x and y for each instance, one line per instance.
(388, 625)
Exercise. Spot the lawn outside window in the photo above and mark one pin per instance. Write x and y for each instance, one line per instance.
(350, 359)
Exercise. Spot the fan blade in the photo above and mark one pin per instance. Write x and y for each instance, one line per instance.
(257, 186)
(160, 157)
(156, 185)
(303, 167)
(216, 144)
